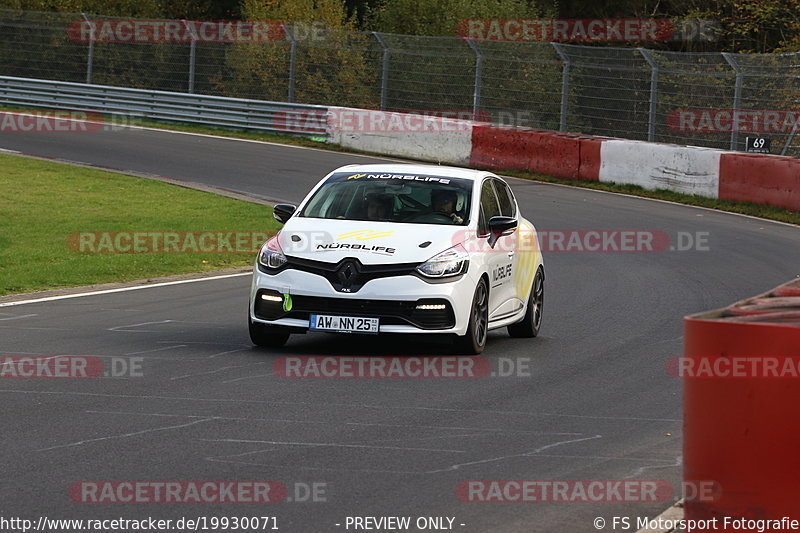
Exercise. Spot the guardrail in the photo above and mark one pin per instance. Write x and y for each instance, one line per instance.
(260, 115)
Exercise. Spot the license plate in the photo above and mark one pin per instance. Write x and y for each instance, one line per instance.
(344, 324)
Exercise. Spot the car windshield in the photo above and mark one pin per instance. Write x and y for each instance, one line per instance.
(405, 198)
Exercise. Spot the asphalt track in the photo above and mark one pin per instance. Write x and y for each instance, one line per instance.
(598, 404)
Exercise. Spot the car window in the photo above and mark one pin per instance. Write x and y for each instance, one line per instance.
(489, 205)
(506, 199)
(405, 198)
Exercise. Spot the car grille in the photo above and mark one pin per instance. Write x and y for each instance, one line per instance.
(349, 274)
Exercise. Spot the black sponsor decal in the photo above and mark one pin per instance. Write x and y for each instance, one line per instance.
(342, 176)
(363, 247)
(501, 272)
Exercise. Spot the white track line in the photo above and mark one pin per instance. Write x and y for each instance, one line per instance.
(671, 514)
(121, 289)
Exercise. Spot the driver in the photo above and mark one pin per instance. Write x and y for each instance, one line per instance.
(379, 207)
(445, 202)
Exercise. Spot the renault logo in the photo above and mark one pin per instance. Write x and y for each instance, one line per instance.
(347, 273)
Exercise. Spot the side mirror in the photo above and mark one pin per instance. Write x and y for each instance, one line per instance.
(502, 225)
(283, 212)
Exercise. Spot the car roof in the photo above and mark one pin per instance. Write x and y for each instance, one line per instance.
(432, 170)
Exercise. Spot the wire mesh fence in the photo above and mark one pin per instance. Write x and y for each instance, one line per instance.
(701, 99)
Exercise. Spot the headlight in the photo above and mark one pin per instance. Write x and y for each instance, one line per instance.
(271, 255)
(451, 262)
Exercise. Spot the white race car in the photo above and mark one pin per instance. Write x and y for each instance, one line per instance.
(400, 249)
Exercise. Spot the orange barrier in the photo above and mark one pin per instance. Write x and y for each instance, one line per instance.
(546, 152)
(761, 179)
(742, 423)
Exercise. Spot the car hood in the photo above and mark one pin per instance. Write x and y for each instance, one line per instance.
(332, 240)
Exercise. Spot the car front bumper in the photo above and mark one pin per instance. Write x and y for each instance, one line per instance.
(395, 300)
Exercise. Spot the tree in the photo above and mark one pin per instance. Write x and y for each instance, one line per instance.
(331, 65)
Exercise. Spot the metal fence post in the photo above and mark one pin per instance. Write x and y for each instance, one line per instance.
(564, 86)
(192, 52)
(384, 69)
(651, 117)
(90, 55)
(737, 98)
(790, 138)
(476, 95)
(292, 59)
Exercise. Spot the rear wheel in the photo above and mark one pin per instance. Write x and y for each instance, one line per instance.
(475, 339)
(530, 325)
(266, 335)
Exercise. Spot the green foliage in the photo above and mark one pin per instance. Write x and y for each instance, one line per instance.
(441, 17)
(764, 25)
(190, 9)
(747, 25)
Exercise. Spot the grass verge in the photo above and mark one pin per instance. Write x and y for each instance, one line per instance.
(52, 211)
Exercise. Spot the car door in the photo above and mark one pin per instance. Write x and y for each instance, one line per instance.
(507, 247)
(511, 245)
(500, 252)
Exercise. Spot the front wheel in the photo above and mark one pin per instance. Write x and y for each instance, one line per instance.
(475, 339)
(266, 335)
(530, 325)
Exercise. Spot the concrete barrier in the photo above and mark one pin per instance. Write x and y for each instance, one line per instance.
(684, 169)
(545, 152)
(741, 408)
(761, 179)
(523, 149)
(427, 138)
